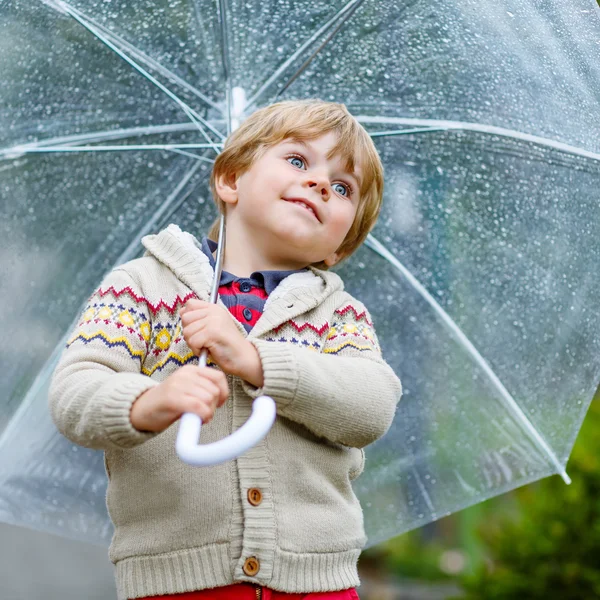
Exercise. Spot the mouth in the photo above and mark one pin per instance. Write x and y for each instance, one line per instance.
(306, 205)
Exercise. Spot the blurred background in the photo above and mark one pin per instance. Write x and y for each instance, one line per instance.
(64, 220)
(541, 541)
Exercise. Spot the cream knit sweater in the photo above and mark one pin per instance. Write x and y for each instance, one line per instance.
(286, 507)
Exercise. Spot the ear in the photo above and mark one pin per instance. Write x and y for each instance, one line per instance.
(226, 186)
(332, 259)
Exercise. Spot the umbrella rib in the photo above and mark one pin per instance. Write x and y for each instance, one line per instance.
(82, 20)
(342, 15)
(428, 126)
(222, 6)
(145, 59)
(464, 341)
(191, 155)
(113, 134)
(396, 132)
(45, 372)
(431, 125)
(168, 206)
(118, 148)
(424, 493)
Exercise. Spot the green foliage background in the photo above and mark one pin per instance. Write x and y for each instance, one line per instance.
(552, 549)
(538, 542)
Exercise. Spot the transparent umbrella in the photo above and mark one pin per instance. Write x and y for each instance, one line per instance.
(480, 275)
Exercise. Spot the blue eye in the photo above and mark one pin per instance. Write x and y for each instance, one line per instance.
(346, 189)
(296, 158)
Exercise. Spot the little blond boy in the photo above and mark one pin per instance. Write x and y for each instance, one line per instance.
(301, 185)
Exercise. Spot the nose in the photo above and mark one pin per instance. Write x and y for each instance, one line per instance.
(321, 184)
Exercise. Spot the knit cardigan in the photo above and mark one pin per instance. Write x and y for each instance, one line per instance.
(180, 528)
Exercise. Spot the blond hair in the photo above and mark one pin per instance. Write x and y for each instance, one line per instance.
(306, 120)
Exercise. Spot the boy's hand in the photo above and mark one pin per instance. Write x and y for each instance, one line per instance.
(189, 389)
(210, 326)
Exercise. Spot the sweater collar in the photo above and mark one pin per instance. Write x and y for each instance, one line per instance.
(299, 292)
(268, 280)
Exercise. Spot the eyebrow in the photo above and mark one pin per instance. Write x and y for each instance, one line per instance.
(308, 145)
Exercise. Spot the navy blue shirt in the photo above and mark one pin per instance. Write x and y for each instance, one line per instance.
(245, 297)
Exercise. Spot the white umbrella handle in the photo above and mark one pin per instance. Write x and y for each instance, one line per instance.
(248, 435)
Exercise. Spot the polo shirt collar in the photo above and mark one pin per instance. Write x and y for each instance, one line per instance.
(269, 280)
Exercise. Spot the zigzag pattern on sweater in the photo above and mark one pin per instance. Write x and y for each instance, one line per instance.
(357, 316)
(120, 316)
(111, 342)
(349, 343)
(153, 308)
(300, 328)
(350, 335)
(174, 358)
(326, 327)
(139, 355)
(160, 335)
(352, 329)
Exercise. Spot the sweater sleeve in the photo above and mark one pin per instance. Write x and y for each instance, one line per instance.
(345, 393)
(98, 376)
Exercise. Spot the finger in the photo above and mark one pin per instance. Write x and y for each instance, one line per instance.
(194, 303)
(193, 328)
(195, 336)
(191, 316)
(196, 382)
(198, 404)
(210, 387)
(184, 308)
(198, 342)
(217, 377)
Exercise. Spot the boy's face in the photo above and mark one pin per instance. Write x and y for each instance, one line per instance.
(267, 201)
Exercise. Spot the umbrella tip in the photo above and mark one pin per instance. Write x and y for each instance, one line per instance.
(565, 477)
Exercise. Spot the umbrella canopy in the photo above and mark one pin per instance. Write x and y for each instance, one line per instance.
(480, 274)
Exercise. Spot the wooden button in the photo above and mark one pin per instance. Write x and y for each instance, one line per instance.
(251, 566)
(254, 496)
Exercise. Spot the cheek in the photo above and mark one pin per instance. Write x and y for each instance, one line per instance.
(345, 216)
(250, 195)
(259, 189)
